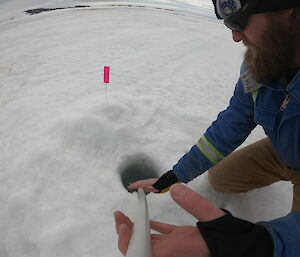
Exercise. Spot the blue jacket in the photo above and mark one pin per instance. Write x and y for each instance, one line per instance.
(274, 106)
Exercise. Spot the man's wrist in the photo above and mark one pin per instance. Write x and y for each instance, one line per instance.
(230, 236)
(165, 181)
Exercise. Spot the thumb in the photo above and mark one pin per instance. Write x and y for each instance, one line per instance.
(195, 204)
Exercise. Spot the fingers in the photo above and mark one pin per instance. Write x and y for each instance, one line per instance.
(195, 204)
(161, 227)
(124, 237)
(120, 219)
(123, 227)
(157, 237)
(145, 184)
(150, 189)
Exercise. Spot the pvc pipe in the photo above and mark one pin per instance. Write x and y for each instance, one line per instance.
(139, 244)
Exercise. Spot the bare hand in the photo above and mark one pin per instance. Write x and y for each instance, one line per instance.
(145, 184)
(174, 241)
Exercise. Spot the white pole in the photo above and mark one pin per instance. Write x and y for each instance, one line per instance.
(105, 92)
(140, 245)
(106, 79)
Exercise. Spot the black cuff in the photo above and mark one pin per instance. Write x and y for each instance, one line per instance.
(232, 237)
(165, 181)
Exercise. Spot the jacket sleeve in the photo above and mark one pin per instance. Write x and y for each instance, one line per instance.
(285, 233)
(230, 129)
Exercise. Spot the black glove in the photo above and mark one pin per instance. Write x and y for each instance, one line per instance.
(232, 237)
(164, 183)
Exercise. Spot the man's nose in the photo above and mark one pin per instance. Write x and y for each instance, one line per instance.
(237, 36)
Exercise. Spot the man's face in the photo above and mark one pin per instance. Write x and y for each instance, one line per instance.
(269, 55)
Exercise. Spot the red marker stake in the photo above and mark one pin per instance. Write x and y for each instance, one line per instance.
(106, 77)
(106, 74)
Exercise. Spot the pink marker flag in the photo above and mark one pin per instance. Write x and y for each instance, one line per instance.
(106, 74)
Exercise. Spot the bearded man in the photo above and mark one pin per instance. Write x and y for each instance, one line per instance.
(266, 94)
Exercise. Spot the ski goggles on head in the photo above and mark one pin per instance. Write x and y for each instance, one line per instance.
(234, 12)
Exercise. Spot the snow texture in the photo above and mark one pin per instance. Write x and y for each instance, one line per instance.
(64, 134)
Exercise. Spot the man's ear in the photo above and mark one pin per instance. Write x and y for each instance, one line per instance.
(287, 13)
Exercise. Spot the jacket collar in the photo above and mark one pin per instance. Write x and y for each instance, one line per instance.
(251, 84)
(294, 86)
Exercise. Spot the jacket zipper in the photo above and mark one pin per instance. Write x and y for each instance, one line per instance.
(285, 102)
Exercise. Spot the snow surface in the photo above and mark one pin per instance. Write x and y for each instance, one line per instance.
(64, 134)
(14, 9)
